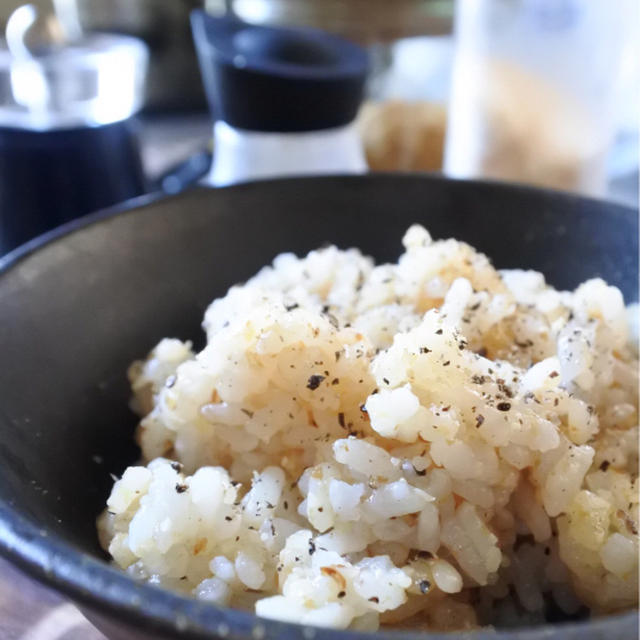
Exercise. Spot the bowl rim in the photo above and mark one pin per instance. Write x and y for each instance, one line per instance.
(106, 590)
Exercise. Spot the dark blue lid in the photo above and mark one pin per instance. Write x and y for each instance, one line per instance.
(278, 79)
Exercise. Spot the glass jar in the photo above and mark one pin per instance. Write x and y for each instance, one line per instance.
(68, 141)
(533, 91)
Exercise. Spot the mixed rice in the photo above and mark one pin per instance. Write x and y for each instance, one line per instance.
(432, 443)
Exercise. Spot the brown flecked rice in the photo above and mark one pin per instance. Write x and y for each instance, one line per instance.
(430, 443)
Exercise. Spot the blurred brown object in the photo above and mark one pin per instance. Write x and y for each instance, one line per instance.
(401, 135)
(364, 21)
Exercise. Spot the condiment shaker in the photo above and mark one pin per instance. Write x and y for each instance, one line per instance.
(283, 100)
(68, 145)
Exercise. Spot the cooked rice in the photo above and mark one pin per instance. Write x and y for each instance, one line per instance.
(431, 443)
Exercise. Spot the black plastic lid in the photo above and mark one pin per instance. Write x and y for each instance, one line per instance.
(278, 79)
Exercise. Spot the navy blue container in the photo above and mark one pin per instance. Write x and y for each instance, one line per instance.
(51, 177)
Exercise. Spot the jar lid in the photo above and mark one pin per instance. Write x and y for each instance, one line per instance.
(278, 79)
(96, 80)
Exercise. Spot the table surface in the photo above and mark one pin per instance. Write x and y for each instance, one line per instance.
(29, 611)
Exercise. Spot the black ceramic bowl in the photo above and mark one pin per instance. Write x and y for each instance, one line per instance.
(78, 305)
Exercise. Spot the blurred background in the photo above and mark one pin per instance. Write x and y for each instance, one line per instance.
(545, 92)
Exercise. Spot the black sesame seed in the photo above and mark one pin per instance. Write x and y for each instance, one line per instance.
(503, 406)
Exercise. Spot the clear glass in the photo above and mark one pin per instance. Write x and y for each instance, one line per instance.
(96, 81)
(533, 90)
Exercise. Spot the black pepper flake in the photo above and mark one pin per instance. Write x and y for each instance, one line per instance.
(554, 374)
(385, 380)
(374, 599)
(337, 355)
(424, 586)
(228, 518)
(183, 577)
(312, 547)
(503, 406)
(476, 379)
(333, 321)
(479, 420)
(341, 419)
(314, 381)
(291, 307)
(285, 504)
(425, 350)
(181, 488)
(439, 332)
(447, 363)
(605, 465)
(475, 307)
(335, 381)
(247, 412)
(504, 388)
(556, 402)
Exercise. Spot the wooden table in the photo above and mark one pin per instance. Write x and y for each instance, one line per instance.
(30, 611)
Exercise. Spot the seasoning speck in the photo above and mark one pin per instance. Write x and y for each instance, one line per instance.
(424, 586)
(314, 381)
